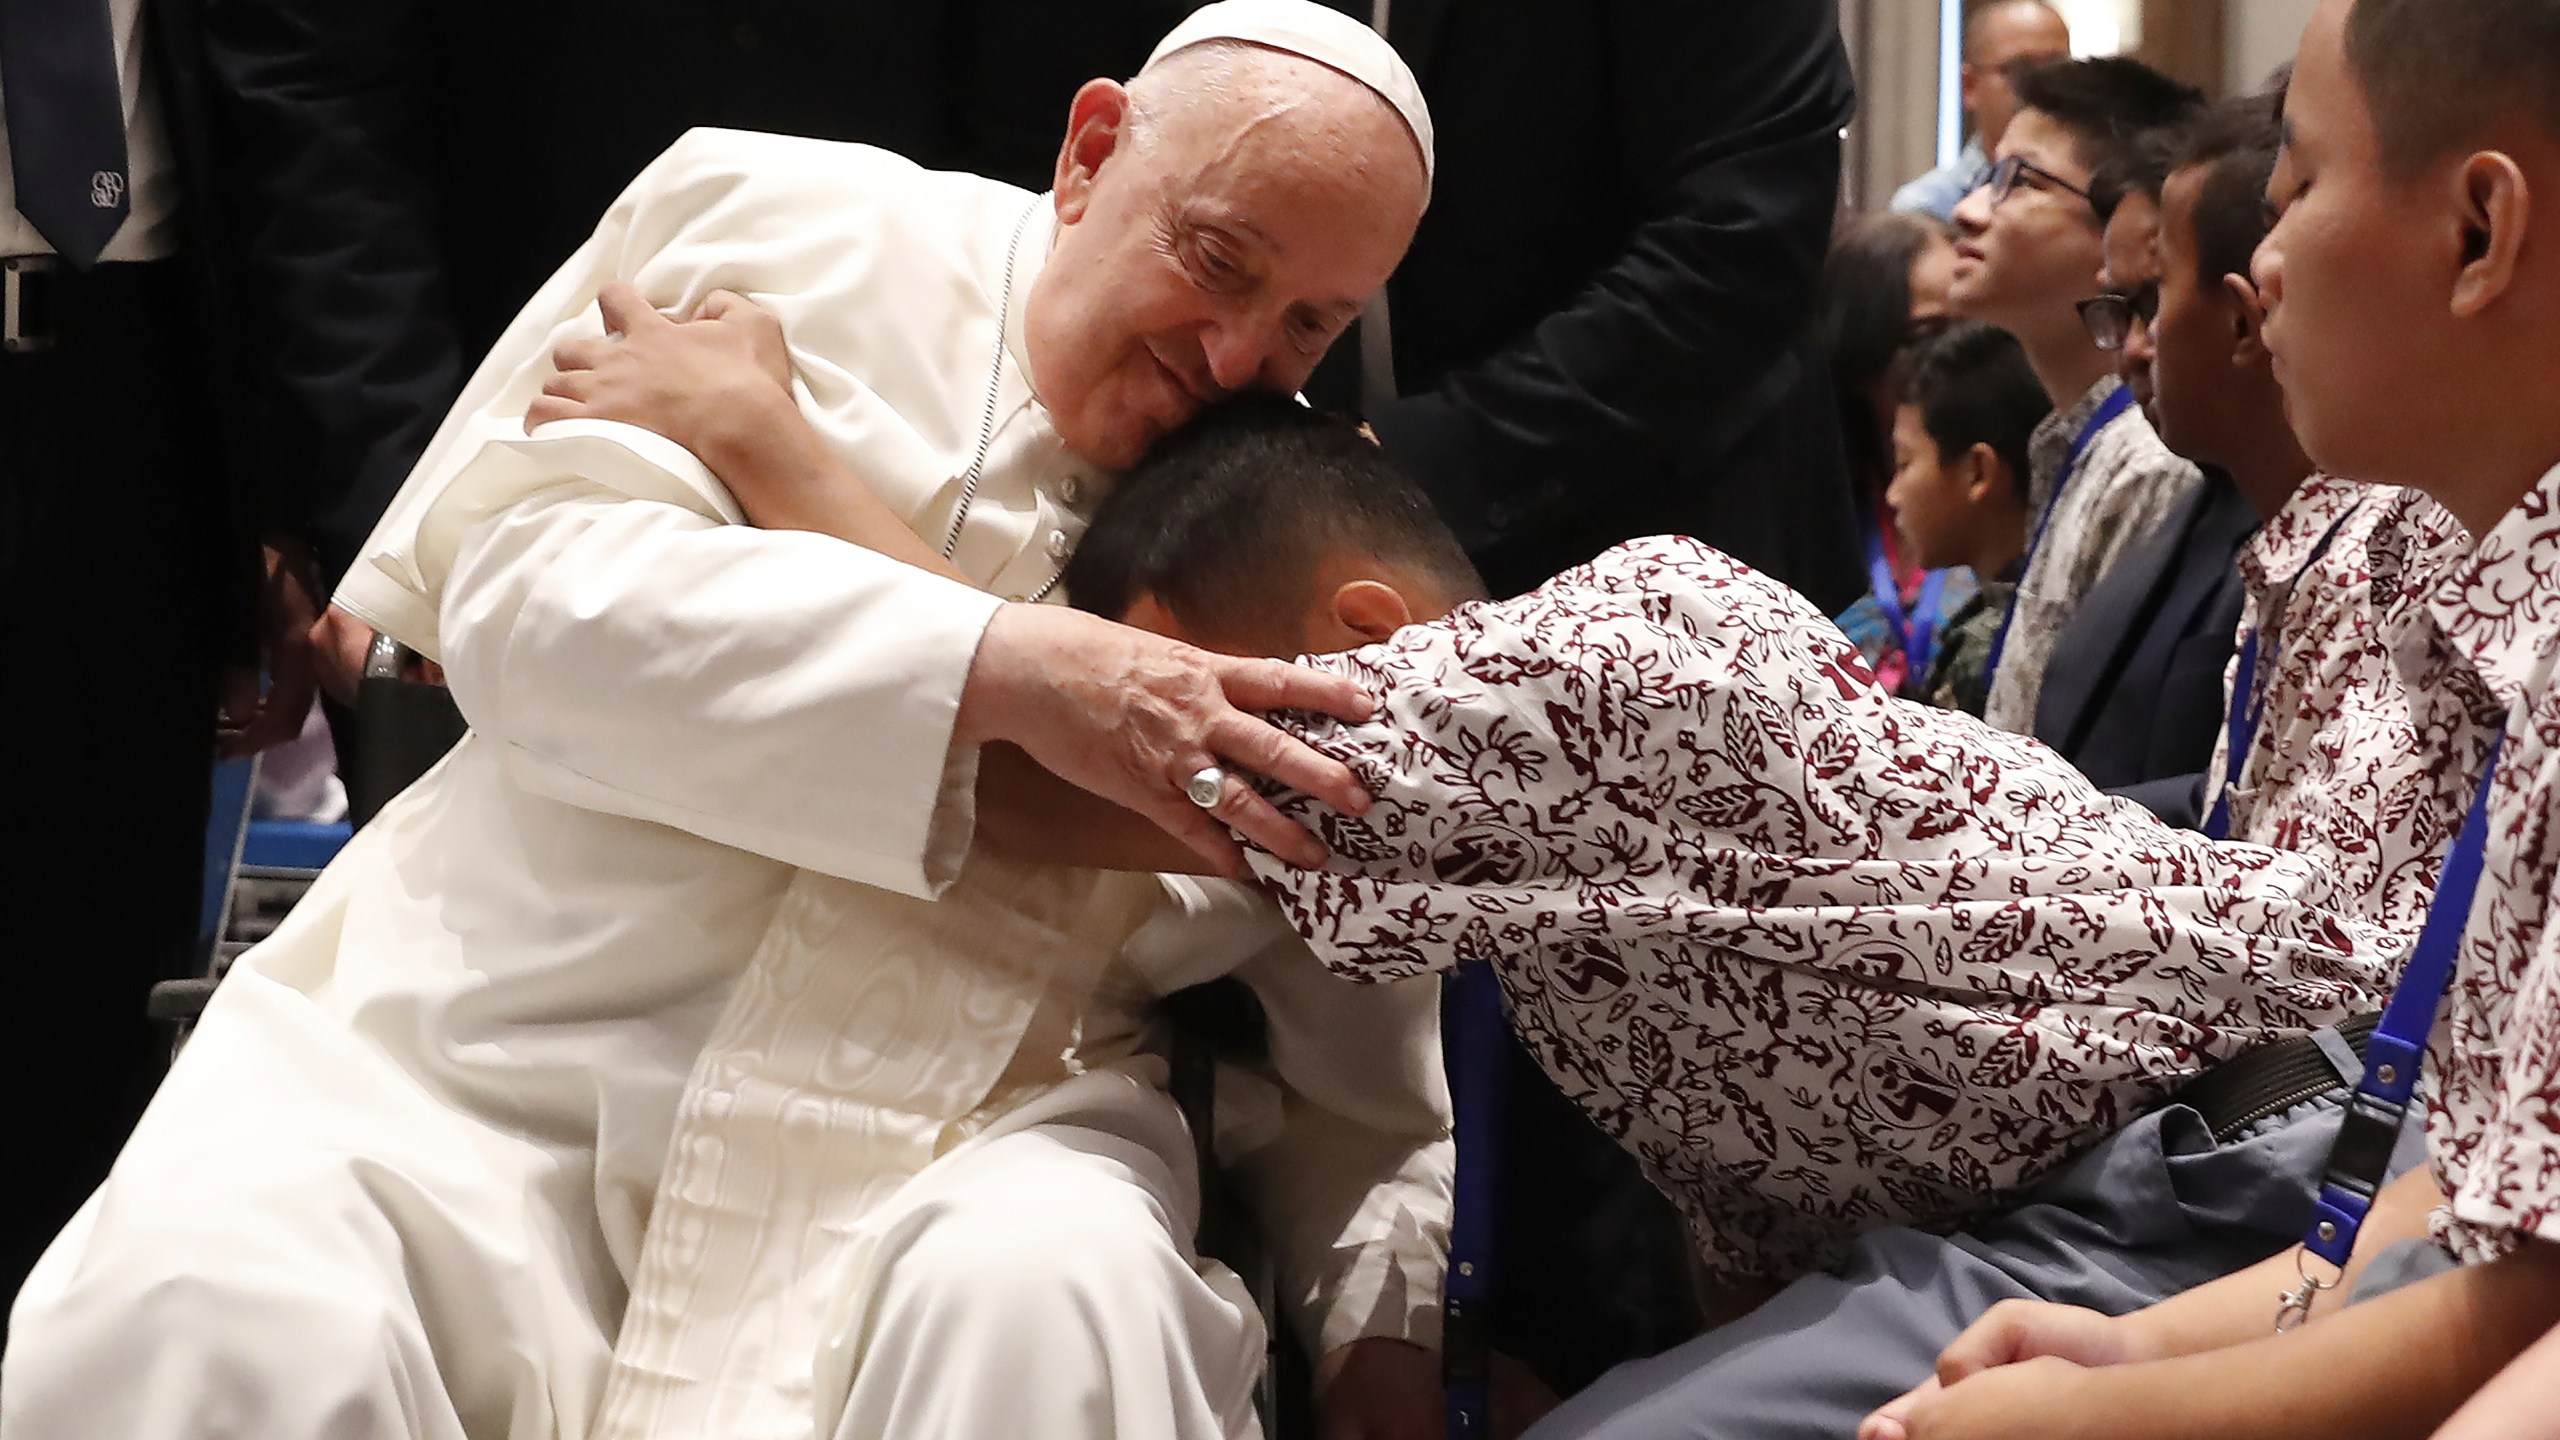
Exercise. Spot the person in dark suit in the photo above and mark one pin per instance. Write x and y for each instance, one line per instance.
(1600, 330)
(2134, 694)
(129, 569)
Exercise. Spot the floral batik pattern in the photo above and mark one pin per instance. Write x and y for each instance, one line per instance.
(2493, 1077)
(2371, 728)
(1821, 958)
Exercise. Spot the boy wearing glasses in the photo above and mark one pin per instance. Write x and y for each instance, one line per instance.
(2370, 736)
(2410, 302)
(2133, 693)
(2028, 248)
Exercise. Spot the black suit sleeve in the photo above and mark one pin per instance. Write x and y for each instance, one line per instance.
(1729, 115)
(322, 107)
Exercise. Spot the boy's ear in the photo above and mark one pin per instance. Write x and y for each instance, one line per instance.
(1156, 618)
(2495, 206)
(1371, 609)
(1981, 473)
(2248, 322)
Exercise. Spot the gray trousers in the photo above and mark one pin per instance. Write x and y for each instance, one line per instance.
(2155, 1209)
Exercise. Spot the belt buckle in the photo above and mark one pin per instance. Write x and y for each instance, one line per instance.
(28, 327)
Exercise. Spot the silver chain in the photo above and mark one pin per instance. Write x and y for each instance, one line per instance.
(987, 416)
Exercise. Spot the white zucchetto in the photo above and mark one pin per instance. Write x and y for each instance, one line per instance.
(1326, 36)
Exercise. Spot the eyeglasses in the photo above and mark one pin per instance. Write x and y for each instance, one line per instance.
(2110, 315)
(2006, 173)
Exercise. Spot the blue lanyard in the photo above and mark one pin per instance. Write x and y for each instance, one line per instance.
(2240, 722)
(2361, 1155)
(1923, 644)
(2108, 409)
(2240, 730)
(1915, 631)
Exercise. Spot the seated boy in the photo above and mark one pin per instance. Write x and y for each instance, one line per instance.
(2028, 245)
(1959, 491)
(2410, 303)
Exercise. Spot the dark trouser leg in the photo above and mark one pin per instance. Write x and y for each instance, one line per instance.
(112, 534)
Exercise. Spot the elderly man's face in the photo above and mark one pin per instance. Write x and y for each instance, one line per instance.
(1218, 247)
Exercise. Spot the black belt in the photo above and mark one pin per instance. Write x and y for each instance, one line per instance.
(2269, 1080)
(44, 301)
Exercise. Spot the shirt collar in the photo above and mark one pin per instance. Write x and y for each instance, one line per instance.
(2284, 545)
(2498, 609)
(2050, 445)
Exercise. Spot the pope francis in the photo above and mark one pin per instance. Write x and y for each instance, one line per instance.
(666, 1062)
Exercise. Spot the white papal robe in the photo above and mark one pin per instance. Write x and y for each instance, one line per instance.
(407, 1176)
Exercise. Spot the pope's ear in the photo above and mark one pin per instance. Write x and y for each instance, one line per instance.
(1097, 122)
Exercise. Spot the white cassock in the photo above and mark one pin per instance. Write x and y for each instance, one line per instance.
(675, 993)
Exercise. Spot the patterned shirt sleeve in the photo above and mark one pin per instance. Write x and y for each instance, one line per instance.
(1820, 957)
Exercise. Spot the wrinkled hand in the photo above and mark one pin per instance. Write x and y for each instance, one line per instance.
(2032, 1336)
(1131, 717)
(1380, 1389)
(250, 719)
(708, 381)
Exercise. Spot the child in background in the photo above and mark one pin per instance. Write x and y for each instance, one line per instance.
(1959, 491)
(2410, 304)
(1884, 294)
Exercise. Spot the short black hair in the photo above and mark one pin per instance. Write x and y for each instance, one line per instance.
(2105, 105)
(2236, 143)
(1863, 317)
(2141, 169)
(1973, 386)
(2435, 71)
(1228, 517)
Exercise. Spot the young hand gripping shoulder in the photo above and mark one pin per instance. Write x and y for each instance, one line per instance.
(717, 382)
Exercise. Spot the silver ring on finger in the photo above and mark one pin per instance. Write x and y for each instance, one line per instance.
(1206, 787)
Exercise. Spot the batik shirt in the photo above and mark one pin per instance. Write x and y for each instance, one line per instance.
(1821, 958)
(2493, 1077)
(2371, 730)
(1959, 678)
(2124, 486)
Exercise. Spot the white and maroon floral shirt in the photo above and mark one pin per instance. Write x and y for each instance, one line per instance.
(2493, 1077)
(1822, 958)
(2372, 730)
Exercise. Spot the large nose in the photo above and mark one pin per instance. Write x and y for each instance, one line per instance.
(2266, 269)
(2139, 347)
(1239, 349)
(1973, 212)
